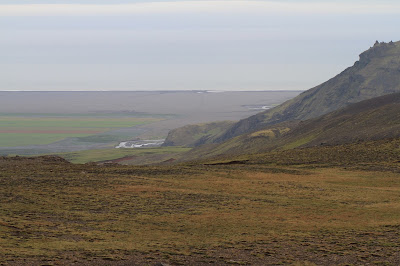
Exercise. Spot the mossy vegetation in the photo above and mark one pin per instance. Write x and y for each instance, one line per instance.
(298, 143)
(270, 133)
(372, 119)
(311, 205)
(142, 155)
(197, 134)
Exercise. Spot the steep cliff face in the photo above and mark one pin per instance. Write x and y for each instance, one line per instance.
(377, 73)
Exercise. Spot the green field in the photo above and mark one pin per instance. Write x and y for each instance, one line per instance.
(24, 139)
(67, 122)
(38, 130)
(112, 154)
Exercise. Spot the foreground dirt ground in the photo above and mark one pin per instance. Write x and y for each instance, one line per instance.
(56, 213)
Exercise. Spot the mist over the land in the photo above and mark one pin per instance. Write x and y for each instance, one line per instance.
(47, 122)
(185, 45)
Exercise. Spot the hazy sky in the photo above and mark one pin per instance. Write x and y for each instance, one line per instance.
(185, 45)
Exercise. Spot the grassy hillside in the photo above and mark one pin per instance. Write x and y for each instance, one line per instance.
(377, 118)
(279, 208)
(195, 135)
(377, 155)
(259, 141)
(301, 206)
(377, 73)
(132, 156)
(373, 119)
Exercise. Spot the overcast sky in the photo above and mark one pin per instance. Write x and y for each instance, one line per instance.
(185, 45)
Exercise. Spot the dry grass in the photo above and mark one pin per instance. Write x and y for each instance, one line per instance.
(56, 212)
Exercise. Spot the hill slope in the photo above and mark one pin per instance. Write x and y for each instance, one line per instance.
(280, 208)
(373, 119)
(377, 73)
(195, 135)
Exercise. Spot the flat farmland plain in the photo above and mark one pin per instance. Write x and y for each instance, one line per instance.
(122, 156)
(57, 122)
(20, 130)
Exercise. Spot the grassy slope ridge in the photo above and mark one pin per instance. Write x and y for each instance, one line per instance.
(194, 135)
(372, 119)
(377, 73)
(135, 156)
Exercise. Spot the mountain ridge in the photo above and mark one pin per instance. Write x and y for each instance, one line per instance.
(376, 73)
(369, 120)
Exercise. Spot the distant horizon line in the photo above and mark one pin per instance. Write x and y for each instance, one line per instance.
(208, 91)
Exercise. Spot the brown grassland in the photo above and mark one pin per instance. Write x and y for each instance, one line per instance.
(294, 209)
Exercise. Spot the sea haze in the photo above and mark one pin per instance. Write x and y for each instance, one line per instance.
(102, 119)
